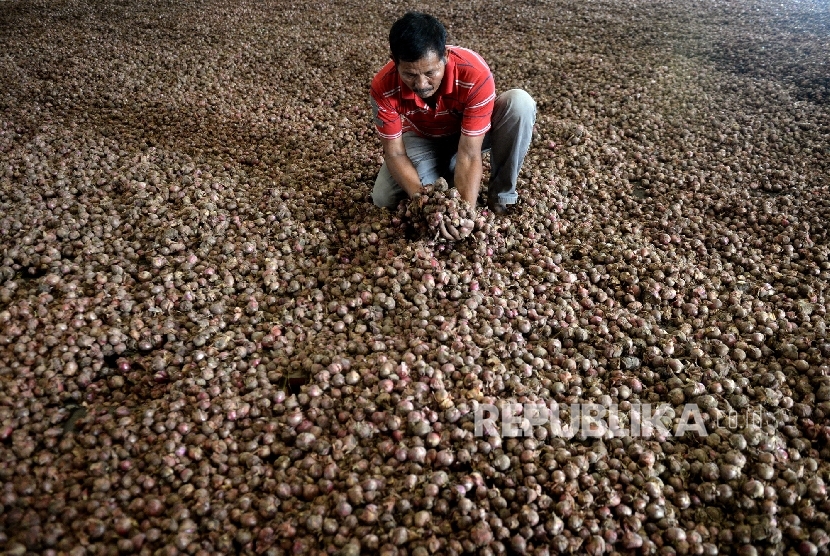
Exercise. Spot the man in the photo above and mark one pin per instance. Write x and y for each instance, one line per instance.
(436, 110)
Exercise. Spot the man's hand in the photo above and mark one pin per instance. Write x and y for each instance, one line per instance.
(422, 197)
(452, 233)
(440, 210)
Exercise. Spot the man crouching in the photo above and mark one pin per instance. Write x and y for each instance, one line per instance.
(436, 110)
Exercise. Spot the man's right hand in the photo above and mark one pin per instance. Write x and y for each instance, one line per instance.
(443, 211)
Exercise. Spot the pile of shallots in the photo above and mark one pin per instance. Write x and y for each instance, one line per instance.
(212, 343)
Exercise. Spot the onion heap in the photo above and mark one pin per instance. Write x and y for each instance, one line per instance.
(211, 342)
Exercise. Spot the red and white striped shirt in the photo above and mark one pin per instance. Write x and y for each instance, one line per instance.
(464, 101)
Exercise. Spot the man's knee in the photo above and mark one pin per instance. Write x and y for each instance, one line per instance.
(386, 194)
(384, 200)
(518, 103)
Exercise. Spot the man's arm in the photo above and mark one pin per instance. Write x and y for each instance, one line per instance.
(401, 168)
(468, 167)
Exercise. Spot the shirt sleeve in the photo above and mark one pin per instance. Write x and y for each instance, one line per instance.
(384, 111)
(479, 107)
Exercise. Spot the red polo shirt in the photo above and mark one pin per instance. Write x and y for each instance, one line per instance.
(464, 100)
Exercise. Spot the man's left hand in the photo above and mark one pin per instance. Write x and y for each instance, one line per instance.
(451, 232)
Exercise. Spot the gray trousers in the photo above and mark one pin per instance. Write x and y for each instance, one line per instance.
(507, 141)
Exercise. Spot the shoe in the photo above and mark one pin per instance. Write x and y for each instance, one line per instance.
(497, 207)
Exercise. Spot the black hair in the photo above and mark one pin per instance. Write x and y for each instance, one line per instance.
(415, 35)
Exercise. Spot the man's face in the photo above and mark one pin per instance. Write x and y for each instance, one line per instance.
(423, 76)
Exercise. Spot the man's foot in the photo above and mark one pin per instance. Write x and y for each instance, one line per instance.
(497, 207)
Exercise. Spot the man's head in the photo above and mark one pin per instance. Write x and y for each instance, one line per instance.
(419, 47)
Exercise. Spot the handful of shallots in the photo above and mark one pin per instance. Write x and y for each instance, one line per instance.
(440, 209)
